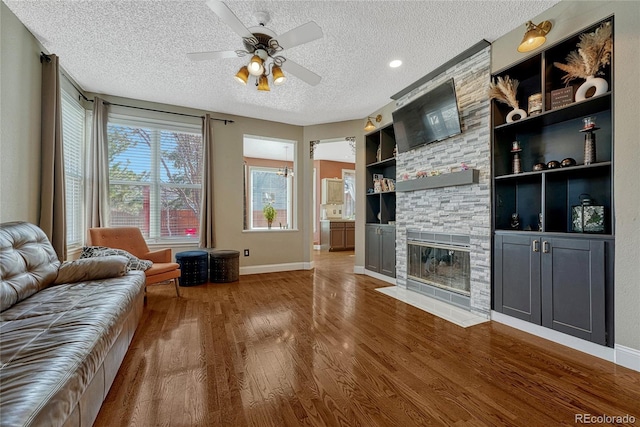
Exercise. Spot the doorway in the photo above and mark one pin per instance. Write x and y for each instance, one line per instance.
(334, 184)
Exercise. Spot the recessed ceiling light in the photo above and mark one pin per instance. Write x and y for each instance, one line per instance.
(395, 63)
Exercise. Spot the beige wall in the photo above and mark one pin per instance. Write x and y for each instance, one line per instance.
(19, 121)
(569, 17)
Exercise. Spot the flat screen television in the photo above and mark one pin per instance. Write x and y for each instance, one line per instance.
(432, 117)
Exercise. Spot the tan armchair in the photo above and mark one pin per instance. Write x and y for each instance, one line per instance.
(131, 240)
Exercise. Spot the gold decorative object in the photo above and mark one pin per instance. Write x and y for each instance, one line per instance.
(535, 36)
(369, 126)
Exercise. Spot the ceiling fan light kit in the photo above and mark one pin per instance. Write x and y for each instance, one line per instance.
(255, 66)
(243, 75)
(263, 83)
(264, 46)
(277, 75)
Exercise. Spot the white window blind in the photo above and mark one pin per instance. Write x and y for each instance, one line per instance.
(73, 137)
(155, 174)
(269, 187)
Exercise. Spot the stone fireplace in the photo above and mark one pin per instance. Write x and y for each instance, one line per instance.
(454, 218)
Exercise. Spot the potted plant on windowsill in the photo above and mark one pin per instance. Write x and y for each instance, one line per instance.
(269, 213)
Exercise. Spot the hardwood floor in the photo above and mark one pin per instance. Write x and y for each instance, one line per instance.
(323, 348)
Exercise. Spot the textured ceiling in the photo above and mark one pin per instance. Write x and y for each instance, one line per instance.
(136, 49)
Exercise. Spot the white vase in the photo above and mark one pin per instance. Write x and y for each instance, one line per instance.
(598, 83)
(516, 112)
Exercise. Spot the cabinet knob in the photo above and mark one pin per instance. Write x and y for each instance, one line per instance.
(535, 246)
(545, 247)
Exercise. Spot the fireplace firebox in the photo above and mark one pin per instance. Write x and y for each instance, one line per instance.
(439, 265)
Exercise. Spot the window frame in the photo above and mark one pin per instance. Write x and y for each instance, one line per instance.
(292, 185)
(289, 196)
(155, 182)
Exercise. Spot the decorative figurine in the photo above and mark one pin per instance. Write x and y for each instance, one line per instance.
(515, 221)
(516, 165)
(588, 128)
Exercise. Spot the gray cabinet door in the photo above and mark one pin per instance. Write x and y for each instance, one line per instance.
(372, 250)
(573, 287)
(517, 276)
(388, 251)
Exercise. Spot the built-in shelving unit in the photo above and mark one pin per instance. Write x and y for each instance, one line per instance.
(380, 256)
(380, 160)
(544, 271)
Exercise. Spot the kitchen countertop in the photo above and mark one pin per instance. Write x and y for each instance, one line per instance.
(337, 220)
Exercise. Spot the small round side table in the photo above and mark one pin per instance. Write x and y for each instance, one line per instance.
(193, 267)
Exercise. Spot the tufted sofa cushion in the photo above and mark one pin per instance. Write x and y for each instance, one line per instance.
(28, 262)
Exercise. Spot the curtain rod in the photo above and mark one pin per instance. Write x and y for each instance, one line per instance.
(163, 111)
(45, 57)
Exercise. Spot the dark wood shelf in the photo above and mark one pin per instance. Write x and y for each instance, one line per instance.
(568, 112)
(381, 192)
(568, 169)
(383, 163)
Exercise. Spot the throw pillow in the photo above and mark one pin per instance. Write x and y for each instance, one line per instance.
(96, 268)
(133, 264)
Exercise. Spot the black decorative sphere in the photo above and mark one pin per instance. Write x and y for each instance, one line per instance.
(568, 162)
(553, 164)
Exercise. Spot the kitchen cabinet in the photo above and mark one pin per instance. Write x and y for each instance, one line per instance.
(332, 191)
(337, 235)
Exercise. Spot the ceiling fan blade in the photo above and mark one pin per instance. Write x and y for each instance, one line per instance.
(229, 18)
(300, 72)
(305, 33)
(204, 56)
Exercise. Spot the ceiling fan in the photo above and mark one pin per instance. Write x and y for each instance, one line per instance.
(264, 46)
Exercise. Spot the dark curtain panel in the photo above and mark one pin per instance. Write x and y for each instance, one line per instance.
(52, 190)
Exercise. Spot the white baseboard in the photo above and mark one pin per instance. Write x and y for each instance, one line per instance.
(358, 269)
(379, 276)
(275, 268)
(317, 247)
(627, 357)
(597, 350)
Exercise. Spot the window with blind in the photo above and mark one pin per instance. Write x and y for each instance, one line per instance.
(269, 182)
(155, 176)
(268, 187)
(73, 138)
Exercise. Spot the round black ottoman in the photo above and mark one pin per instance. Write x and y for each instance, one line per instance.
(193, 265)
(224, 266)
